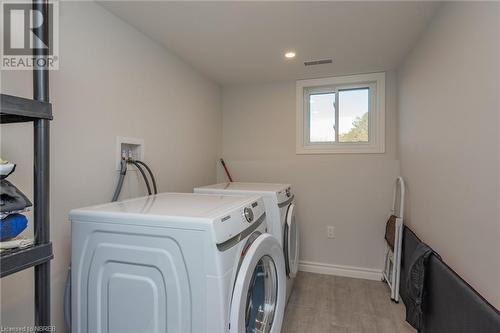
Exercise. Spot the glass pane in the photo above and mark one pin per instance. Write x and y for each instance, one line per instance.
(261, 297)
(322, 117)
(353, 115)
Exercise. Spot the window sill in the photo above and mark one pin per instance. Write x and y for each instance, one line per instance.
(341, 149)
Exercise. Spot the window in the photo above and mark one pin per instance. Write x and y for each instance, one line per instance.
(341, 114)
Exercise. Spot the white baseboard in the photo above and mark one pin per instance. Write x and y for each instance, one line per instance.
(347, 271)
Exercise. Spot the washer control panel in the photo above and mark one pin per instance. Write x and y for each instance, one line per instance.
(237, 221)
(248, 213)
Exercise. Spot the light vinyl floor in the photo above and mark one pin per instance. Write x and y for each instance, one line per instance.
(326, 304)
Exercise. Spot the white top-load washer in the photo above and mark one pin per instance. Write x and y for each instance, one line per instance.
(176, 263)
(280, 209)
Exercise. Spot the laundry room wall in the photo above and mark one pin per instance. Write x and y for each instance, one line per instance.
(351, 192)
(113, 81)
(450, 142)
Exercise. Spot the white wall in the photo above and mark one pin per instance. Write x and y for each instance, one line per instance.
(113, 81)
(349, 191)
(449, 140)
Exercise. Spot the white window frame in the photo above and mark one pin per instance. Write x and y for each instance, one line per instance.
(376, 115)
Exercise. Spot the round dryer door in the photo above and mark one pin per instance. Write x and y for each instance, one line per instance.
(291, 242)
(259, 294)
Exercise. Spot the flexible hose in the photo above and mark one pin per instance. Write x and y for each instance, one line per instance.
(123, 172)
(138, 166)
(153, 180)
(119, 185)
(67, 300)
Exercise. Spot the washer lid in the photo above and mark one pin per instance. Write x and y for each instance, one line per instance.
(259, 294)
(245, 187)
(282, 192)
(167, 205)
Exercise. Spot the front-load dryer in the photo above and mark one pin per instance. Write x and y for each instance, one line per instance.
(176, 263)
(280, 208)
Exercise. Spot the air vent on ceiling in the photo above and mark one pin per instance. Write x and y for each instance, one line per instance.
(317, 62)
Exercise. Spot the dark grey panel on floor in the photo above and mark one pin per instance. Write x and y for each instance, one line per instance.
(450, 304)
(330, 304)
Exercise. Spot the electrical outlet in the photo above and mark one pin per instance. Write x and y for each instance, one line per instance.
(330, 231)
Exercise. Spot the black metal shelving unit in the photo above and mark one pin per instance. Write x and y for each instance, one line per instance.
(39, 111)
(17, 109)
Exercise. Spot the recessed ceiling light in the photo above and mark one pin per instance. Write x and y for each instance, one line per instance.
(290, 54)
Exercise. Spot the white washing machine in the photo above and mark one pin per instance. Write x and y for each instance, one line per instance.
(176, 263)
(280, 208)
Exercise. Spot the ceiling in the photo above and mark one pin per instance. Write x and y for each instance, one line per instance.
(244, 42)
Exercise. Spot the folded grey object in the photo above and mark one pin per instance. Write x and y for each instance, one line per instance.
(415, 279)
(11, 199)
